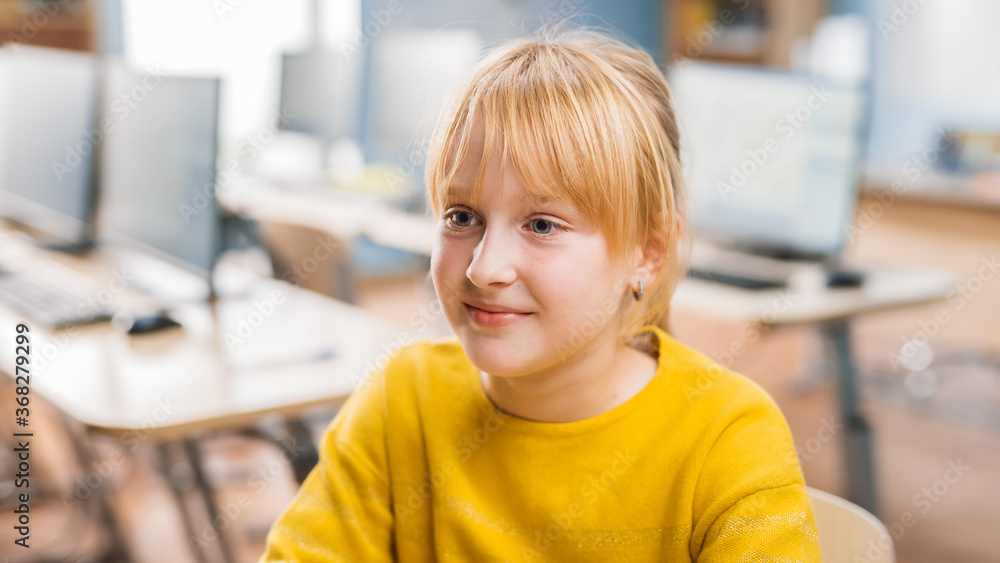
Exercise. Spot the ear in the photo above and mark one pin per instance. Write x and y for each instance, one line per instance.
(651, 256)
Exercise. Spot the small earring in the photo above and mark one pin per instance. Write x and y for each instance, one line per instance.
(637, 294)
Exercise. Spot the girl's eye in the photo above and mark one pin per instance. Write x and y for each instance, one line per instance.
(542, 226)
(461, 218)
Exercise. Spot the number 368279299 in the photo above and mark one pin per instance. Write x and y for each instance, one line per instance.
(22, 368)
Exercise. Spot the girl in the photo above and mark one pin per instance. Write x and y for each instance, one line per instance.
(564, 424)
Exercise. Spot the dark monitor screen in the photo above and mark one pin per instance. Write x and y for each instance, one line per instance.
(48, 140)
(158, 166)
(771, 158)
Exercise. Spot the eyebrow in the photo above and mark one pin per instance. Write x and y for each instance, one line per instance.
(541, 199)
(462, 190)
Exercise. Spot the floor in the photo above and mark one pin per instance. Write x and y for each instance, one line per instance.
(953, 522)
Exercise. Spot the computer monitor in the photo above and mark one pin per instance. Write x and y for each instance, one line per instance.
(158, 167)
(320, 94)
(49, 137)
(411, 74)
(771, 158)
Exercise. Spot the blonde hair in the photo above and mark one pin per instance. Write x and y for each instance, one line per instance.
(584, 119)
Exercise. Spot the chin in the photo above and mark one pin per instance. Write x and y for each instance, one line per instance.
(498, 357)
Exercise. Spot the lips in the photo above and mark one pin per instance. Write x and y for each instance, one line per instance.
(494, 316)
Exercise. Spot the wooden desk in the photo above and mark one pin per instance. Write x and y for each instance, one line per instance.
(276, 349)
(982, 194)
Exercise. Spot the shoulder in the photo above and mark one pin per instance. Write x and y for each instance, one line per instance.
(738, 422)
(418, 373)
(394, 387)
(429, 359)
(411, 361)
(706, 385)
(745, 455)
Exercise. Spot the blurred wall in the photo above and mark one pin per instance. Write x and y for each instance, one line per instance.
(639, 20)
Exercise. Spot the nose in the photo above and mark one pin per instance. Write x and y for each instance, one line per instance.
(493, 260)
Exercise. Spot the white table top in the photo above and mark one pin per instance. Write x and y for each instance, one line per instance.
(883, 289)
(303, 350)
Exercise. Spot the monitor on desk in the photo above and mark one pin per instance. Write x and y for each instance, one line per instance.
(49, 137)
(771, 158)
(158, 168)
(320, 94)
(411, 73)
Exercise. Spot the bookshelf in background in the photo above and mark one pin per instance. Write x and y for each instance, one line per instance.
(66, 24)
(753, 32)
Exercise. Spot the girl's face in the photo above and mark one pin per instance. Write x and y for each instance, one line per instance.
(527, 284)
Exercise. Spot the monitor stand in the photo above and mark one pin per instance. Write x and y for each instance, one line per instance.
(161, 281)
(80, 246)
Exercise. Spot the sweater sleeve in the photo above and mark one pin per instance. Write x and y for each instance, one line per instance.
(343, 510)
(751, 501)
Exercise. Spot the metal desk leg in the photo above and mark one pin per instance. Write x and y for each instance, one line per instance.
(858, 437)
(194, 457)
(189, 527)
(84, 451)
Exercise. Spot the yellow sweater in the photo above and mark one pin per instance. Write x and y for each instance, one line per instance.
(419, 466)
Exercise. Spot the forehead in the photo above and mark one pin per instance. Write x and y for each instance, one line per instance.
(506, 189)
(500, 183)
(491, 163)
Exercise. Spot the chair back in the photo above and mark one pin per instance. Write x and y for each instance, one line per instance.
(849, 533)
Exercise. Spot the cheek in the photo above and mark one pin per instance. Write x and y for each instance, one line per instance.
(449, 262)
(578, 282)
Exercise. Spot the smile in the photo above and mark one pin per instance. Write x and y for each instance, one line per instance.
(494, 319)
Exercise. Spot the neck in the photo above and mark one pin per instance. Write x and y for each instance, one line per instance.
(587, 385)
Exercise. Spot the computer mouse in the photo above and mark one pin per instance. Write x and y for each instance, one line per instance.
(154, 322)
(844, 278)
